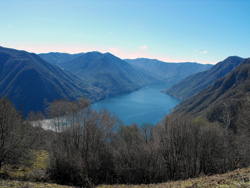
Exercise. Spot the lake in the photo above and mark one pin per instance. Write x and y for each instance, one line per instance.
(147, 105)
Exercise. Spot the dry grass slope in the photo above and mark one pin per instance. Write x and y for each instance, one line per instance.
(35, 172)
(24, 184)
(237, 179)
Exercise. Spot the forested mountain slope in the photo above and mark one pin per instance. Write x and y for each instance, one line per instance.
(29, 81)
(106, 71)
(226, 101)
(194, 83)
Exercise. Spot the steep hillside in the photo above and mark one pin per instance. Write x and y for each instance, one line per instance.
(28, 80)
(171, 73)
(226, 101)
(196, 82)
(106, 71)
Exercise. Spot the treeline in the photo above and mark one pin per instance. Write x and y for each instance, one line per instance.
(88, 148)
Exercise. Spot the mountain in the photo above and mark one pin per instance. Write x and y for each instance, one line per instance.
(106, 71)
(28, 80)
(59, 59)
(192, 84)
(226, 101)
(171, 73)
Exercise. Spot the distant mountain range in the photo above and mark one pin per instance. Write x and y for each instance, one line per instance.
(196, 82)
(116, 76)
(28, 80)
(219, 93)
(226, 101)
(170, 73)
(105, 71)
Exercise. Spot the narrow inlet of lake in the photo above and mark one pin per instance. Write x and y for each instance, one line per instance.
(147, 105)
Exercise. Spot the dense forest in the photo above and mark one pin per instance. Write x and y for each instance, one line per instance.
(87, 148)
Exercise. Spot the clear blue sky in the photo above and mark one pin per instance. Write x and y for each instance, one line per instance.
(204, 31)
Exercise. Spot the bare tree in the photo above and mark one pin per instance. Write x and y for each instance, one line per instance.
(12, 145)
(81, 150)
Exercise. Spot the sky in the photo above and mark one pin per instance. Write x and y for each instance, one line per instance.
(203, 31)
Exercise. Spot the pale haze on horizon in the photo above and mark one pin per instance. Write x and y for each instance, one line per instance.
(203, 31)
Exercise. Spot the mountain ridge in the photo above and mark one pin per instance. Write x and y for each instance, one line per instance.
(58, 58)
(28, 81)
(108, 72)
(171, 73)
(192, 84)
(226, 99)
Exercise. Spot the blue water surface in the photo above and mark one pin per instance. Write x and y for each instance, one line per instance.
(147, 105)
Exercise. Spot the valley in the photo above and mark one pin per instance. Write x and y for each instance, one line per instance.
(33, 81)
(111, 120)
(112, 93)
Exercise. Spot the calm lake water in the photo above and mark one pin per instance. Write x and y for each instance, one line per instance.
(147, 105)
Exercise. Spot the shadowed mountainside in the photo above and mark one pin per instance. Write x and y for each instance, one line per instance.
(28, 80)
(196, 82)
(226, 101)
